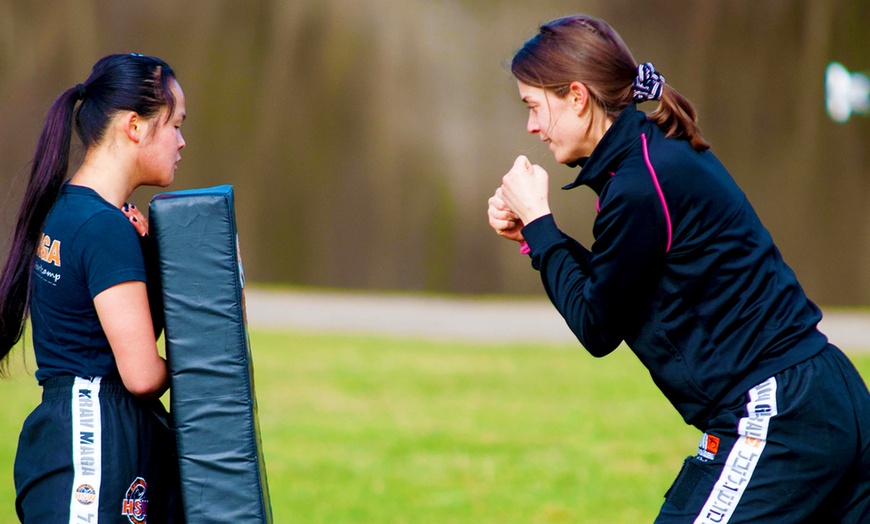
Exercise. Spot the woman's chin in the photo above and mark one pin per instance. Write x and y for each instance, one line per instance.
(568, 160)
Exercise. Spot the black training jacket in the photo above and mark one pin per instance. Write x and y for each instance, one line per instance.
(681, 269)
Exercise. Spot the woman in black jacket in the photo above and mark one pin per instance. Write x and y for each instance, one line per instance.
(683, 272)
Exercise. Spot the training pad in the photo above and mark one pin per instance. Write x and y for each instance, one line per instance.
(212, 400)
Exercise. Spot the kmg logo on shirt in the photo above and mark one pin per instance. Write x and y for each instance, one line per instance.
(49, 250)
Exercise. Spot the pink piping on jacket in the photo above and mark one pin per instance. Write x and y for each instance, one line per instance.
(655, 180)
(598, 200)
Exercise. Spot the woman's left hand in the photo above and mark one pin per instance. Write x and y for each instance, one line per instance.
(504, 221)
(136, 218)
(525, 189)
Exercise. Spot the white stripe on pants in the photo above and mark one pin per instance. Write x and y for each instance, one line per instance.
(86, 451)
(744, 455)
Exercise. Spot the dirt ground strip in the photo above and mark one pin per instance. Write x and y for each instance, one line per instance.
(490, 319)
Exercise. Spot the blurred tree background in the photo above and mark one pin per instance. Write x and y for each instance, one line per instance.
(364, 137)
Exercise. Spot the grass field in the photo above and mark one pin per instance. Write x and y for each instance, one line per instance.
(377, 430)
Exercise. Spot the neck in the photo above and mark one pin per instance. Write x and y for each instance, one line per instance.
(596, 123)
(598, 126)
(107, 175)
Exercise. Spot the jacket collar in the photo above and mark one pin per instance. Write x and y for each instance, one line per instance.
(616, 142)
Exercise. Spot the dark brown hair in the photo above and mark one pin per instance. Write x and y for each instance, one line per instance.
(586, 49)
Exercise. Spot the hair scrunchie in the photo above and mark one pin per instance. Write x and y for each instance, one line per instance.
(649, 84)
(82, 91)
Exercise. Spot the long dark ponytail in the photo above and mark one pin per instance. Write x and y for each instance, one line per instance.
(126, 82)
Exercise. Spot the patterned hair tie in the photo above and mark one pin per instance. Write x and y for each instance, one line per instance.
(649, 84)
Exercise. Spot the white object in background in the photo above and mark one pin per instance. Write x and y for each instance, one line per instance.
(845, 93)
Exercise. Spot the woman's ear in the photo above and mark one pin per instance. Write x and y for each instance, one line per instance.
(133, 126)
(579, 96)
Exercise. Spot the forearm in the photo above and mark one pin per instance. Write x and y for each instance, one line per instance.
(125, 317)
(565, 267)
(149, 382)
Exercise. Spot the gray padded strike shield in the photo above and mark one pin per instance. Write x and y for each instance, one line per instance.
(214, 408)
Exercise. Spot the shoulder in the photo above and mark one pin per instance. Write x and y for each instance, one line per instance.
(106, 224)
(663, 152)
(634, 192)
(80, 208)
(109, 218)
(83, 223)
(634, 179)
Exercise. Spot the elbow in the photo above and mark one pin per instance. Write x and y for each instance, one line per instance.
(598, 337)
(598, 347)
(144, 388)
(146, 393)
(144, 379)
(600, 352)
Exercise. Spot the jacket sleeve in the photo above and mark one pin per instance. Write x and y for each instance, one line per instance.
(601, 292)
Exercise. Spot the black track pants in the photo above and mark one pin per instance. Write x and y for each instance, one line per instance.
(93, 453)
(796, 449)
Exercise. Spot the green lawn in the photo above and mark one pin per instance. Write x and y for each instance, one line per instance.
(377, 430)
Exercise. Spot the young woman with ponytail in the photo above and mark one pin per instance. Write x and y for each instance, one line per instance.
(97, 448)
(684, 273)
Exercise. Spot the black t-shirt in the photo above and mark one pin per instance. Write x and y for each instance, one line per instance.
(88, 246)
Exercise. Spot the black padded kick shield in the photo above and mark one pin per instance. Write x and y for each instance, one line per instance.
(213, 405)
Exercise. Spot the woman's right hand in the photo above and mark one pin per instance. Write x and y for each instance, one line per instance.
(524, 190)
(503, 220)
